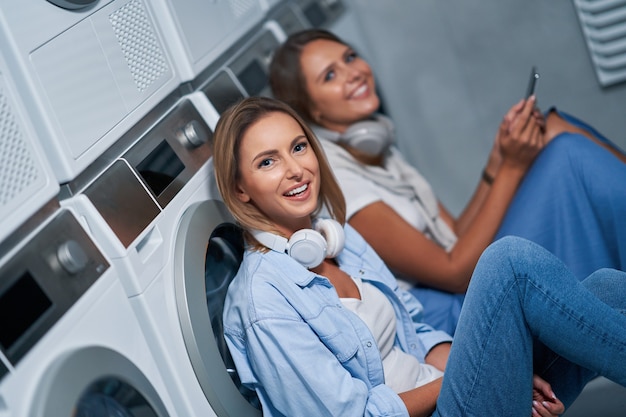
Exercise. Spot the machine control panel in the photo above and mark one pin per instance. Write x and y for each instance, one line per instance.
(39, 283)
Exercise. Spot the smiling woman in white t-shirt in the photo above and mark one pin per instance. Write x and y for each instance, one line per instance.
(567, 199)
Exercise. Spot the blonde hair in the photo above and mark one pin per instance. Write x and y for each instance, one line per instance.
(229, 132)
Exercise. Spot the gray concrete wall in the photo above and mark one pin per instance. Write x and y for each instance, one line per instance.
(449, 70)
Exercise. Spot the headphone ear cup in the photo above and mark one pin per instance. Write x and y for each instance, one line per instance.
(308, 247)
(334, 235)
(369, 136)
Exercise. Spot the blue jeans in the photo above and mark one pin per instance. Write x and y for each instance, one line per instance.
(441, 308)
(526, 313)
(572, 202)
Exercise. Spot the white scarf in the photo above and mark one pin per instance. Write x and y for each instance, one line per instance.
(412, 185)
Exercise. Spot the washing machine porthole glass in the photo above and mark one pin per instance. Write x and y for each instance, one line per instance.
(111, 397)
(223, 257)
(73, 4)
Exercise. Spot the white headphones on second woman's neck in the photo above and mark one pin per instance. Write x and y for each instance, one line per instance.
(307, 246)
(372, 136)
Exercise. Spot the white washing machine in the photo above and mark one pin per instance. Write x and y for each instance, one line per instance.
(242, 70)
(87, 71)
(70, 342)
(199, 31)
(136, 209)
(315, 13)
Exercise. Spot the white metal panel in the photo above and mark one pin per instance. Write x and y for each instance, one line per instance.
(85, 75)
(199, 31)
(26, 180)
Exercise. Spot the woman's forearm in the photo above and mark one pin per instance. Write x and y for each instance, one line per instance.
(421, 401)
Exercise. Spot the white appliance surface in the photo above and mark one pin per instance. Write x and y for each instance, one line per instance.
(86, 75)
(76, 334)
(27, 182)
(198, 31)
(133, 210)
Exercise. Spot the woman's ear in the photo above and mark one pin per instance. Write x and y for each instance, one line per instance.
(241, 194)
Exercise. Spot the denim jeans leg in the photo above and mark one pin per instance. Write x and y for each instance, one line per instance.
(521, 294)
(566, 378)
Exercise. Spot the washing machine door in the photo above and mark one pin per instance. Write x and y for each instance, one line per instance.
(209, 249)
(73, 4)
(97, 382)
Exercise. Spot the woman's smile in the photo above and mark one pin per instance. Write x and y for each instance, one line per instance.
(359, 92)
(297, 191)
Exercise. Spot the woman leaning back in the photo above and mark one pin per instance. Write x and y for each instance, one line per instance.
(336, 336)
(569, 199)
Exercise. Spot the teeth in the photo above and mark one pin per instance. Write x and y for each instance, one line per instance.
(360, 90)
(298, 190)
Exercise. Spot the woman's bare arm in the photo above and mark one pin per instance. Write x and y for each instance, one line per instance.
(409, 252)
(421, 401)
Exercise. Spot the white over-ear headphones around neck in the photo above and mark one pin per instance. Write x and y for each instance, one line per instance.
(371, 136)
(307, 246)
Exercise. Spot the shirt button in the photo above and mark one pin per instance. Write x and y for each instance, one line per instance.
(368, 344)
(413, 346)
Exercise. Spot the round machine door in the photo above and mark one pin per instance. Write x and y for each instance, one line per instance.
(73, 4)
(209, 249)
(97, 382)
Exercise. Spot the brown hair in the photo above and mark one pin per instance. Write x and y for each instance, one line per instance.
(230, 129)
(285, 72)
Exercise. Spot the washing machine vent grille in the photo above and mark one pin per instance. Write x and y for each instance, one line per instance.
(141, 47)
(241, 7)
(17, 168)
(604, 25)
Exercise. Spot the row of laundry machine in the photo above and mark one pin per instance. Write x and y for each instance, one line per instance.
(115, 249)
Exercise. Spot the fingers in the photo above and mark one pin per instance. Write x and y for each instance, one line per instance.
(523, 118)
(511, 115)
(548, 409)
(545, 402)
(521, 136)
(525, 131)
(542, 386)
(515, 109)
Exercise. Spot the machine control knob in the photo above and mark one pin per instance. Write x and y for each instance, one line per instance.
(72, 257)
(194, 133)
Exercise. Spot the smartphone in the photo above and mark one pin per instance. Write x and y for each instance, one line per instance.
(534, 76)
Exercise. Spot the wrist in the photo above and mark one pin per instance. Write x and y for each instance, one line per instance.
(513, 170)
(487, 177)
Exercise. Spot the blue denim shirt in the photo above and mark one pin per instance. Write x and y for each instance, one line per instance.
(302, 351)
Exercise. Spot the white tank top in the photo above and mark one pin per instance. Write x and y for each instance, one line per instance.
(402, 370)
